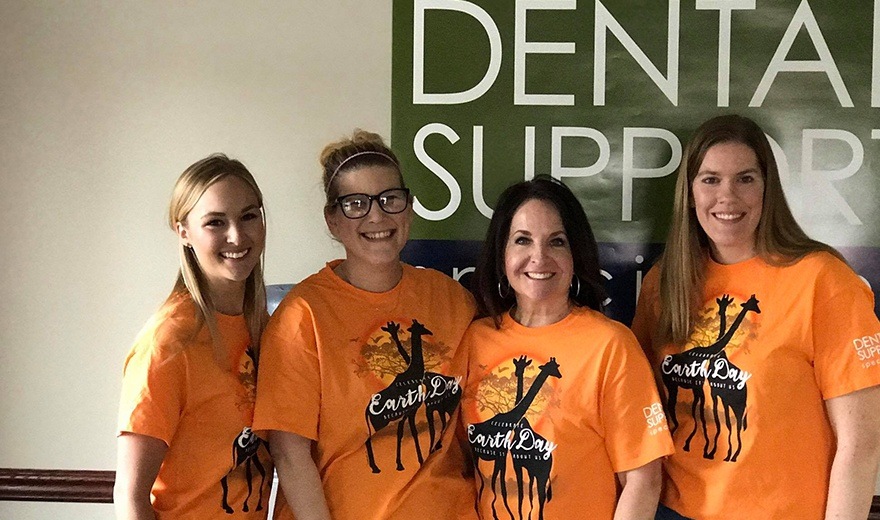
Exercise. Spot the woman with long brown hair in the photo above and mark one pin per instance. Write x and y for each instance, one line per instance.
(753, 330)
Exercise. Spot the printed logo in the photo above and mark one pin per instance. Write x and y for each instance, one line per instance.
(692, 369)
(868, 348)
(656, 418)
(509, 433)
(410, 388)
(244, 453)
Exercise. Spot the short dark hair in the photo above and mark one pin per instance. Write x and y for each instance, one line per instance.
(584, 250)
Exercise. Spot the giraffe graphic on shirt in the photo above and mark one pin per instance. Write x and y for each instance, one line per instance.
(493, 439)
(692, 368)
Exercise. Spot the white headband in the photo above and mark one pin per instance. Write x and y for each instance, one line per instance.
(350, 157)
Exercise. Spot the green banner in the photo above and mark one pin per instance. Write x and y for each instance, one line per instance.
(604, 95)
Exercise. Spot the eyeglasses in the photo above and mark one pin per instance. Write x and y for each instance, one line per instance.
(358, 205)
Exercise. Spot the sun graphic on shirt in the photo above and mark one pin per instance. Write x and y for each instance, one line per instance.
(499, 388)
(388, 351)
(707, 328)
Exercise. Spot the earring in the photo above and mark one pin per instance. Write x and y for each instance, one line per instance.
(503, 293)
(575, 286)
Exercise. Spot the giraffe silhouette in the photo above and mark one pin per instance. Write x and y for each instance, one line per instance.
(442, 392)
(537, 466)
(400, 400)
(727, 383)
(491, 439)
(689, 369)
(244, 451)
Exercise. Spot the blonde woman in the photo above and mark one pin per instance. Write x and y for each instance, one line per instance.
(185, 445)
(753, 330)
(361, 376)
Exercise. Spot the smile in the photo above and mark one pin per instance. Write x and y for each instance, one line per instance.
(539, 276)
(729, 217)
(378, 235)
(233, 255)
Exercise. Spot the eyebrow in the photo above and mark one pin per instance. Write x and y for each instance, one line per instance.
(715, 172)
(214, 214)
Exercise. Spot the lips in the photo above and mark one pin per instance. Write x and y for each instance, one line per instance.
(539, 276)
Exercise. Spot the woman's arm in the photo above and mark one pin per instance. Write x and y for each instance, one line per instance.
(298, 475)
(856, 426)
(641, 492)
(138, 458)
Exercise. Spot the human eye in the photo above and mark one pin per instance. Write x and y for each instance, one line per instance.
(709, 179)
(354, 202)
(522, 240)
(747, 178)
(559, 241)
(250, 215)
(213, 223)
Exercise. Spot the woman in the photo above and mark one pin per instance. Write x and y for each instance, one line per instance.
(361, 363)
(559, 397)
(747, 315)
(185, 448)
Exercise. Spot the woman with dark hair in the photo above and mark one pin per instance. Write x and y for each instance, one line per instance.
(558, 396)
(746, 314)
(359, 379)
(185, 446)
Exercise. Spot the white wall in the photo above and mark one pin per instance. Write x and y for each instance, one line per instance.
(102, 105)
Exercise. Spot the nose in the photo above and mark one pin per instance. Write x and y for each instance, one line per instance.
(233, 234)
(539, 252)
(375, 214)
(727, 189)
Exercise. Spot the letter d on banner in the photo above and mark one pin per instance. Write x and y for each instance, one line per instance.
(452, 98)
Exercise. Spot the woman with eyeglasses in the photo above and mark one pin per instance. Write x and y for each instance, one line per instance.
(360, 371)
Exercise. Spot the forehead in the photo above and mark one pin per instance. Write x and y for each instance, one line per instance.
(536, 215)
(227, 194)
(368, 179)
(729, 157)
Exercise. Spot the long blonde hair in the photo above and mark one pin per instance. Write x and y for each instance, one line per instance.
(190, 187)
(779, 239)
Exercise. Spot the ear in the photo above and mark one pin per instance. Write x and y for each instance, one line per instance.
(183, 234)
(330, 217)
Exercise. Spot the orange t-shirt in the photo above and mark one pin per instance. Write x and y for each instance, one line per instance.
(174, 390)
(356, 371)
(791, 337)
(556, 411)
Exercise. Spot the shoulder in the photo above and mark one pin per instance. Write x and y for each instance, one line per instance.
(175, 325)
(430, 280)
(600, 326)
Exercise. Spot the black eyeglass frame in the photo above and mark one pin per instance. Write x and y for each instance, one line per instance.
(370, 199)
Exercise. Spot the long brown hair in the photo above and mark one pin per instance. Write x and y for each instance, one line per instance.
(779, 239)
(190, 187)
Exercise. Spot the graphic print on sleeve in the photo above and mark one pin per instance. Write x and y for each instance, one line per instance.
(510, 433)
(697, 366)
(411, 389)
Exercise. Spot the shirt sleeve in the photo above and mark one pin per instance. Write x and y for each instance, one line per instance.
(153, 390)
(633, 419)
(289, 374)
(846, 332)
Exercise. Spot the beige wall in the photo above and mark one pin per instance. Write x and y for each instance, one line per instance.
(102, 105)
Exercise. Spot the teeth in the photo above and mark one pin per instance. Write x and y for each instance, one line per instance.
(229, 254)
(728, 216)
(378, 235)
(539, 276)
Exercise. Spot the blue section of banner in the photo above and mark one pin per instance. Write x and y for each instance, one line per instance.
(624, 266)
